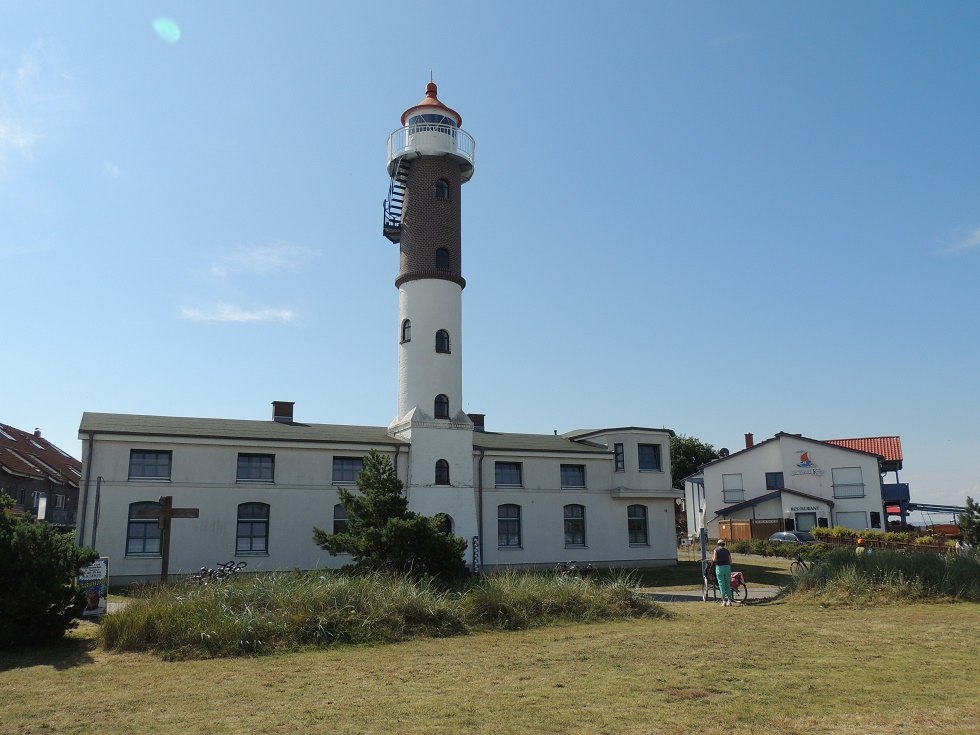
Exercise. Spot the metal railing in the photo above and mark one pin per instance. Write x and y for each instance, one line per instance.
(453, 140)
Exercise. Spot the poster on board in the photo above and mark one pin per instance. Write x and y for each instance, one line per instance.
(93, 580)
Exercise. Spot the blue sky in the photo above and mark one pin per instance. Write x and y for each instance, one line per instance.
(716, 217)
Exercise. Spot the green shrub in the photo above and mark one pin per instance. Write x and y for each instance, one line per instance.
(925, 541)
(39, 597)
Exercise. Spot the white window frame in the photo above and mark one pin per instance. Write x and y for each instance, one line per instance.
(732, 489)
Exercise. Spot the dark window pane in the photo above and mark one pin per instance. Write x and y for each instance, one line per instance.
(507, 473)
(649, 456)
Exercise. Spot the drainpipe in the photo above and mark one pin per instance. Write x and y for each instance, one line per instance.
(95, 513)
(479, 503)
(88, 472)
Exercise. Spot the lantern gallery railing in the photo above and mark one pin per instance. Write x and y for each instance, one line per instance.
(431, 138)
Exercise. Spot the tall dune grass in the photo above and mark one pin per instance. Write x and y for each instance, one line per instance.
(890, 576)
(275, 612)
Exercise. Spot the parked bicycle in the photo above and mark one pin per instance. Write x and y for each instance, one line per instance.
(801, 565)
(574, 569)
(220, 573)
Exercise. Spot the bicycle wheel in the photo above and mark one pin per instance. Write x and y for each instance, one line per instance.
(740, 593)
(704, 589)
(796, 567)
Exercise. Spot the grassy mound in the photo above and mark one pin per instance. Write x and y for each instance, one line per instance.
(277, 612)
(884, 577)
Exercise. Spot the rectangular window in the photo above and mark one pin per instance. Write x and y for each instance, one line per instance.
(59, 501)
(774, 481)
(573, 476)
(649, 457)
(508, 526)
(636, 522)
(339, 518)
(253, 529)
(142, 534)
(620, 457)
(147, 464)
(732, 488)
(346, 469)
(574, 525)
(848, 482)
(858, 520)
(507, 474)
(256, 467)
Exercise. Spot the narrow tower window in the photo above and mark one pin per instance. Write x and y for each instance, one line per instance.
(442, 341)
(407, 330)
(442, 407)
(442, 472)
(442, 259)
(442, 189)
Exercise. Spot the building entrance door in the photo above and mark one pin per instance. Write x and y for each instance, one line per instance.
(805, 521)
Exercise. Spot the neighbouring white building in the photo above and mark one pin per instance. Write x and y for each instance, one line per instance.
(258, 488)
(791, 482)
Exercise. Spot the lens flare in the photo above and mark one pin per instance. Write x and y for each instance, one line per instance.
(167, 29)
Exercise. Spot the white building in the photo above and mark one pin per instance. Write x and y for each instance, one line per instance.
(789, 482)
(259, 487)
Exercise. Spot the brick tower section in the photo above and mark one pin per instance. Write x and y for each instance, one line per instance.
(431, 222)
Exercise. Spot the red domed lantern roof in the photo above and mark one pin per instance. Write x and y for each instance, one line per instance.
(431, 102)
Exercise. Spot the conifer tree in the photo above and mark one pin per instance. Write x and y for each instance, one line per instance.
(383, 535)
(969, 522)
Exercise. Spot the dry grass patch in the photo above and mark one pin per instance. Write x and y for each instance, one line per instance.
(784, 668)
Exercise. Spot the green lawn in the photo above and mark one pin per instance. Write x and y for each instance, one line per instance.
(781, 667)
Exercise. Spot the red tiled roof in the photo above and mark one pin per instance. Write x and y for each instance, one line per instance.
(889, 447)
(31, 455)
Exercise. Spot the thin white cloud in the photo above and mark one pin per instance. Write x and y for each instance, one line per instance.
(33, 97)
(261, 259)
(12, 251)
(966, 240)
(230, 313)
(112, 170)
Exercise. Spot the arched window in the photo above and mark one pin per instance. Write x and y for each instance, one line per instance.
(253, 529)
(445, 522)
(508, 526)
(442, 189)
(442, 406)
(442, 341)
(407, 330)
(636, 524)
(442, 259)
(142, 534)
(442, 472)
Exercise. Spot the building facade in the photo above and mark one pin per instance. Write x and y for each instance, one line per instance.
(41, 478)
(789, 482)
(259, 487)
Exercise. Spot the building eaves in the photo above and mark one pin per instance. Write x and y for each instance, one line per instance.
(233, 429)
(519, 443)
(578, 434)
(729, 509)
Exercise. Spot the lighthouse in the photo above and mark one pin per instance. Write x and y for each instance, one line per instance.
(430, 157)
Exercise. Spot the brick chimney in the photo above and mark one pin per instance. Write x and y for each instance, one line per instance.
(478, 420)
(282, 411)
(749, 441)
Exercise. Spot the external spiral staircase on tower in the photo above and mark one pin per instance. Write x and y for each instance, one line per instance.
(395, 203)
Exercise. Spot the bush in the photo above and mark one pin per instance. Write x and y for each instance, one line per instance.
(277, 612)
(40, 597)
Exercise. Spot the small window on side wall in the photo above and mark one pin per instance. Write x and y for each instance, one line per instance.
(442, 341)
(442, 189)
(442, 472)
(442, 259)
(407, 330)
(442, 406)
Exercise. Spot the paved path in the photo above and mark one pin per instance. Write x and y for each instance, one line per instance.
(757, 592)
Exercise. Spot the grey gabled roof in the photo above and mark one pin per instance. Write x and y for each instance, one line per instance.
(239, 429)
(234, 429)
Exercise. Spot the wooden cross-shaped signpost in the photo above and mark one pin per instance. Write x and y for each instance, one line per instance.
(164, 515)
